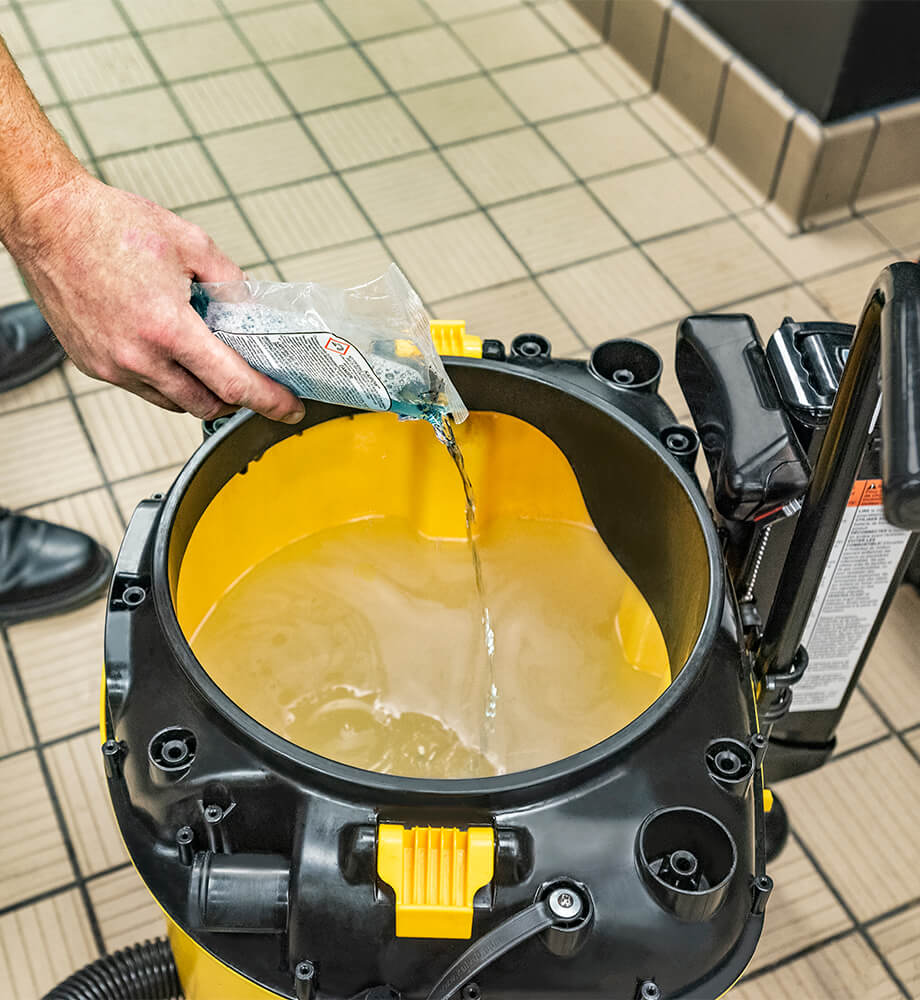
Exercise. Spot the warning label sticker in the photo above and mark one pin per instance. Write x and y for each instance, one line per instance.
(862, 564)
(313, 365)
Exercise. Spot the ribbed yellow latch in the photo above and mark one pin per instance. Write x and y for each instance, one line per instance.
(450, 338)
(435, 873)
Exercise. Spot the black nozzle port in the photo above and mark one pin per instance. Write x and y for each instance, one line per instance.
(171, 753)
(626, 364)
(731, 764)
(531, 346)
(687, 859)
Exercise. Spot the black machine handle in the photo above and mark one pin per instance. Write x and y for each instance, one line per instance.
(754, 458)
(887, 341)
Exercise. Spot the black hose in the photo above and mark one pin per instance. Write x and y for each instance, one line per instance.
(142, 972)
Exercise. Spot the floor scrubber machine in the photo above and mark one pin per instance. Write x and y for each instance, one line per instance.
(633, 870)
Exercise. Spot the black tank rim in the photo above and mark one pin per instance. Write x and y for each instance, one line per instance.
(489, 792)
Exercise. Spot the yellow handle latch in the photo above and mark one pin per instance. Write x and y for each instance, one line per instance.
(435, 873)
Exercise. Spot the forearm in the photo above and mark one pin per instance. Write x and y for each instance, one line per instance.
(34, 159)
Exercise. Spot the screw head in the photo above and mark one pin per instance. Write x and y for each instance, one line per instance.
(566, 904)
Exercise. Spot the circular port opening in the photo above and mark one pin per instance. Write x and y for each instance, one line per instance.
(173, 749)
(627, 364)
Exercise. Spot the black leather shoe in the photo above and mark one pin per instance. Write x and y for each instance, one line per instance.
(46, 569)
(28, 348)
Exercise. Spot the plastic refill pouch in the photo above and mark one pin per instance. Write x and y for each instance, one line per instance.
(368, 347)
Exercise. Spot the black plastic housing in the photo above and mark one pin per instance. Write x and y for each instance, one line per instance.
(285, 810)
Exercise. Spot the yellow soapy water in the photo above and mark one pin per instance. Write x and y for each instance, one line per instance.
(362, 642)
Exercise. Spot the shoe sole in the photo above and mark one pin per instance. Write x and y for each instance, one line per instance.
(23, 378)
(71, 601)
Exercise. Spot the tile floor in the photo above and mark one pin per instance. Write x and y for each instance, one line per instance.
(524, 178)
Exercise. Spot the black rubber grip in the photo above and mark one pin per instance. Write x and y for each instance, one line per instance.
(898, 291)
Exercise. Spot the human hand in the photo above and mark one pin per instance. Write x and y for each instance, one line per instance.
(111, 272)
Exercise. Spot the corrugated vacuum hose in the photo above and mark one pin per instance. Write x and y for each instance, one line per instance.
(142, 972)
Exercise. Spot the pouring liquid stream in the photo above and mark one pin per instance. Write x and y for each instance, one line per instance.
(445, 433)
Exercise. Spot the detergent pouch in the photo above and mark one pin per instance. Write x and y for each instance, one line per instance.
(367, 347)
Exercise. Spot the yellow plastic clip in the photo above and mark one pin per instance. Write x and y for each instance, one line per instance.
(767, 800)
(450, 338)
(435, 873)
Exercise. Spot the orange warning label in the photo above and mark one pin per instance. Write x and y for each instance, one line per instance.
(866, 493)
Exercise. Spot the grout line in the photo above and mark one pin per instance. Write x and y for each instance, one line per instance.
(45, 744)
(66, 887)
(859, 925)
(717, 105)
(662, 45)
(79, 881)
(843, 754)
(897, 733)
(794, 956)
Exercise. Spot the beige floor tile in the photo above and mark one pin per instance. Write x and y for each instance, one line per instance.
(508, 36)
(230, 100)
(290, 31)
(60, 662)
(899, 225)
(326, 78)
(657, 199)
(601, 141)
(450, 10)
(455, 257)
(575, 30)
(77, 382)
(130, 492)
(13, 34)
(173, 176)
(33, 858)
(92, 512)
(14, 727)
(843, 293)
(553, 87)
(263, 272)
(664, 340)
(891, 677)
(224, 224)
(145, 15)
(44, 453)
(38, 80)
(809, 254)
(860, 724)
(504, 312)
(419, 57)
(244, 6)
(668, 124)
(716, 263)
(771, 309)
(265, 156)
(340, 267)
(126, 911)
(62, 927)
(106, 67)
(40, 390)
(843, 809)
(192, 50)
(306, 216)
(63, 123)
(551, 230)
(507, 166)
(899, 939)
(364, 133)
(408, 192)
(615, 72)
(132, 436)
(801, 911)
(845, 970)
(79, 781)
(451, 112)
(613, 296)
(721, 180)
(118, 123)
(368, 20)
(11, 286)
(70, 22)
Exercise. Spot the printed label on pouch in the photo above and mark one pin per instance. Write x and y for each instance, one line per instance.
(859, 572)
(314, 365)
